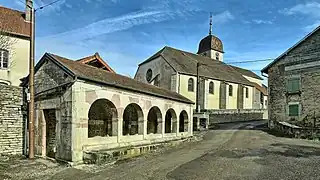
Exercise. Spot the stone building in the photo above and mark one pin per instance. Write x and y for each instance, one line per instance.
(294, 79)
(221, 86)
(83, 106)
(14, 45)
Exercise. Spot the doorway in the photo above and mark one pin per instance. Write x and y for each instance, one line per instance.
(50, 117)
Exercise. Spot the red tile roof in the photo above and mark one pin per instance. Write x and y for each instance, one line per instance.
(100, 76)
(97, 57)
(13, 22)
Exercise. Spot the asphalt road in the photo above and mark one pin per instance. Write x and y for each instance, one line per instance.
(235, 151)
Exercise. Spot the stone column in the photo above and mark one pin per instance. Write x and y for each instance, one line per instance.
(144, 125)
(119, 124)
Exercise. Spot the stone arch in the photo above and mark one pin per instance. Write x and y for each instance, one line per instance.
(132, 120)
(102, 114)
(154, 120)
(183, 121)
(170, 121)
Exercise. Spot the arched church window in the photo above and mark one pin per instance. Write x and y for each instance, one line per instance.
(230, 90)
(211, 88)
(190, 85)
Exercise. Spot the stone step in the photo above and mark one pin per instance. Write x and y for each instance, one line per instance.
(111, 155)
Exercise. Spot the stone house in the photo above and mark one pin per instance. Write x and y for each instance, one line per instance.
(83, 106)
(294, 79)
(14, 45)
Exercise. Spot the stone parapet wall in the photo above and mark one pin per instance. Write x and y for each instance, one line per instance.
(235, 115)
(293, 131)
(11, 120)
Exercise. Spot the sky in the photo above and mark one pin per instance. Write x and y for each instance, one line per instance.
(127, 32)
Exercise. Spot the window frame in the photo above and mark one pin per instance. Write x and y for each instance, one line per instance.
(230, 92)
(211, 89)
(294, 104)
(191, 85)
(2, 51)
(246, 92)
(290, 86)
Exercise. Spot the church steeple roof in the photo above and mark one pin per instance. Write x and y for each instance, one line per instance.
(210, 42)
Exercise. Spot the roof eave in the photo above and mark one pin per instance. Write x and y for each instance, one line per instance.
(135, 90)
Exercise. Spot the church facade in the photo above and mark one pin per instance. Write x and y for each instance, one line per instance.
(221, 86)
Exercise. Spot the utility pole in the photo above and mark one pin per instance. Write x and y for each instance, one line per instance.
(198, 90)
(31, 80)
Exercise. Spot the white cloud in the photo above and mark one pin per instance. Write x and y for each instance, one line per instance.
(222, 17)
(19, 3)
(115, 24)
(311, 27)
(310, 8)
(259, 21)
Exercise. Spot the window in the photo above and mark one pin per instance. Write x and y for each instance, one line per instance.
(4, 59)
(190, 85)
(211, 88)
(230, 90)
(294, 110)
(293, 85)
(247, 92)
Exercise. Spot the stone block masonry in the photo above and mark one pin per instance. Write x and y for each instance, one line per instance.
(11, 120)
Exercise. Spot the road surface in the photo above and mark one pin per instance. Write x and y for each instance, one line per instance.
(235, 151)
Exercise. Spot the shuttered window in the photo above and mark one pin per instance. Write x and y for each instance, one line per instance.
(294, 110)
(293, 85)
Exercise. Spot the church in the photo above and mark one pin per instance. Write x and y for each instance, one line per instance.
(221, 86)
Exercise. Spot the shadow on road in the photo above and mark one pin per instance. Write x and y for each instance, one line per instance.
(278, 149)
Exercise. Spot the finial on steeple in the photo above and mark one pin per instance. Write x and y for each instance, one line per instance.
(210, 30)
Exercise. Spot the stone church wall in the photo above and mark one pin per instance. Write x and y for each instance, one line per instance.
(11, 120)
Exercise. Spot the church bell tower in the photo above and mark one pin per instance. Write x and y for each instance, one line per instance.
(211, 46)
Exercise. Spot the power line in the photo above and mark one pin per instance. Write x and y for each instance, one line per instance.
(250, 61)
(46, 5)
(53, 2)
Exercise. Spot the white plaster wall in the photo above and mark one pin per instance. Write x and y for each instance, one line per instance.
(18, 62)
(248, 102)
(84, 94)
(212, 100)
(232, 100)
(251, 79)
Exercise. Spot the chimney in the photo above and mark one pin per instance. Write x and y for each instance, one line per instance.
(29, 4)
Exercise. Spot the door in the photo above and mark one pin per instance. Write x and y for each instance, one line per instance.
(50, 117)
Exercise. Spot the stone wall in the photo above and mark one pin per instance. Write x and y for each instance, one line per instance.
(297, 63)
(293, 131)
(11, 120)
(235, 115)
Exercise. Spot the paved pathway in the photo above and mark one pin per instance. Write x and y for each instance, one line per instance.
(235, 151)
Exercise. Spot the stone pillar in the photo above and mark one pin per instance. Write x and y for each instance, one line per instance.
(115, 126)
(163, 124)
(120, 124)
(144, 125)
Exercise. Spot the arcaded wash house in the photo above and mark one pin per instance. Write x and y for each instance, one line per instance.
(84, 105)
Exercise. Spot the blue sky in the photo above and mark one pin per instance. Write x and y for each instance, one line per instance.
(126, 32)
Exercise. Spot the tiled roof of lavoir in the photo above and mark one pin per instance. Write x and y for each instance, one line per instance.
(90, 73)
